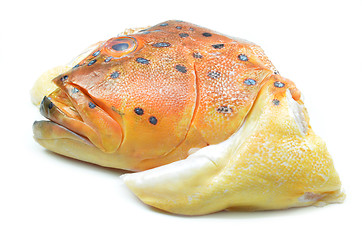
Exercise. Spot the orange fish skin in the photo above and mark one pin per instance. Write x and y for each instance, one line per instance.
(146, 99)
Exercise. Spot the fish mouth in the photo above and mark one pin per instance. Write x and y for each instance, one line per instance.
(58, 135)
(60, 113)
(73, 116)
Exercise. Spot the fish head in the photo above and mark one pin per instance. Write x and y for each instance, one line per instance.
(131, 98)
(145, 99)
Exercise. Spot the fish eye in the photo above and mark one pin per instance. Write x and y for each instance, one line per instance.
(121, 46)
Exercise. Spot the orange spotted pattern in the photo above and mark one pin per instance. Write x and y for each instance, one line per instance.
(153, 95)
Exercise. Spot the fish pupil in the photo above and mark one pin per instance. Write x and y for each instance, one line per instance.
(120, 46)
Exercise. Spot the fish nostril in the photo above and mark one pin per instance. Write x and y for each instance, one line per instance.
(64, 78)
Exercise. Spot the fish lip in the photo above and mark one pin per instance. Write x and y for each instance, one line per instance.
(40, 132)
(48, 105)
(47, 108)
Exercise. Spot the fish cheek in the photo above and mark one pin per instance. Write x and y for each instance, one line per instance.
(106, 132)
(152, 127)
(154, 105)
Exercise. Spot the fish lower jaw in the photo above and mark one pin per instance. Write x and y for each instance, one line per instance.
(61, 140)
(49, 130)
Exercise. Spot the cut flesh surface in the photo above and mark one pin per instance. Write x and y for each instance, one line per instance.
(273, 161)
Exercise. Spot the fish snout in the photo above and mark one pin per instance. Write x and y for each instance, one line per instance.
(75, 110)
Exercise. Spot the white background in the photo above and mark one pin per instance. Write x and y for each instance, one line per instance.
(317, 44)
